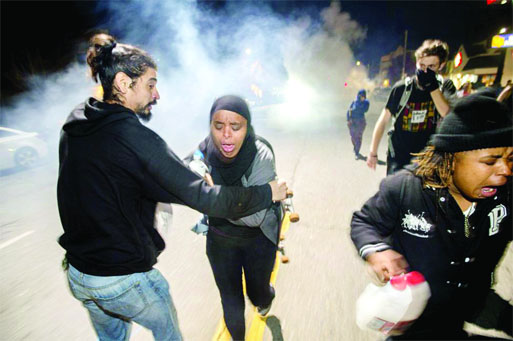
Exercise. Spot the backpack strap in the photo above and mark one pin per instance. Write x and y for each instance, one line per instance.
(408, 88)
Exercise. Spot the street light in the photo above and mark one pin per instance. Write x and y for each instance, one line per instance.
(503, 30)
(358, 63)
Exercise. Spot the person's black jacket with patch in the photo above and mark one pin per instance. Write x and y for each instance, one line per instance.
(113, 171)
(426, 226)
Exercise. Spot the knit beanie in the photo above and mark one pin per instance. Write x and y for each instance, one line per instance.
(231, 103)
(476, 122)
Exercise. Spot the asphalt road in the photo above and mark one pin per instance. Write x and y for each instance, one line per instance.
(316, 290)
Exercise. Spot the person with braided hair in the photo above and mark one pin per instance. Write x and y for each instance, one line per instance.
(112, 173)
(447, 215)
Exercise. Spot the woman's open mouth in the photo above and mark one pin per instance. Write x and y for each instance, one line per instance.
(488, 191)
(228, 148)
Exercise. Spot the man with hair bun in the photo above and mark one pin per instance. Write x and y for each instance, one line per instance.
(448, 215)
(416, 105)
(112, 172)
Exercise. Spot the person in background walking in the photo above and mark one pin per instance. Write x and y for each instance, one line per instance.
(356, 121)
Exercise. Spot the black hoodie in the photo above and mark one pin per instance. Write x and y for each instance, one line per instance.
(113, 171)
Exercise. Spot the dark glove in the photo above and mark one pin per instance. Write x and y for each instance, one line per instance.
(427, 80)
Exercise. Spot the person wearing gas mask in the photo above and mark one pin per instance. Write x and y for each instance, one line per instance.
(416, 105)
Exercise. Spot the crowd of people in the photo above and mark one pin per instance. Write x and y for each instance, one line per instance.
(449, 166)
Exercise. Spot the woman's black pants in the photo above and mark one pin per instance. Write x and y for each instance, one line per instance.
(228, 256)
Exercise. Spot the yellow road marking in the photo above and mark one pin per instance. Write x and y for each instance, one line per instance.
(257, 326)
(222, 333)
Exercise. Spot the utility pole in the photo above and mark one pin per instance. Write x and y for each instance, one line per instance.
(403, 75)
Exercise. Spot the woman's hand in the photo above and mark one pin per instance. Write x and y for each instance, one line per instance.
(208, 179)
(387, 263)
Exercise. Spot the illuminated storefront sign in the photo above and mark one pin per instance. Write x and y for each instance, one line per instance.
(457, 59)
(502, 40)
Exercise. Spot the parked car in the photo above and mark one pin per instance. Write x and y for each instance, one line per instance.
(20, 149)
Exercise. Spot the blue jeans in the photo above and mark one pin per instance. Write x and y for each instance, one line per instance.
(114, 302)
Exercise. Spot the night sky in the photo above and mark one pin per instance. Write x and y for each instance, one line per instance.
(42, 37)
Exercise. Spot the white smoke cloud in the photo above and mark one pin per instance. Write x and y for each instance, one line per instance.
(244, 49)
(46, 106)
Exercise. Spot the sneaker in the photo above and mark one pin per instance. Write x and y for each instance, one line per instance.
(263, 311)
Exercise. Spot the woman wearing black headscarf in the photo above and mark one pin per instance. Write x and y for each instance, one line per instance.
(237, 157)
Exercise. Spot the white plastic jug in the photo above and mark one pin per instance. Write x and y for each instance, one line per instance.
(392, 308)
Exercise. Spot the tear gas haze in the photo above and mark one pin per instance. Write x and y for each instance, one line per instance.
(291, 69)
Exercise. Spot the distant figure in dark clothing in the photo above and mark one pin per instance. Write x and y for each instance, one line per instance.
(356, 121)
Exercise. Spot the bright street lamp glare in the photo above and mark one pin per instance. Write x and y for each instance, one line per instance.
(503, 30)
(358, 63)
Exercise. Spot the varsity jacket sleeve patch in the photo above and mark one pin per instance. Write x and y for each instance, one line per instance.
(378, 217)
